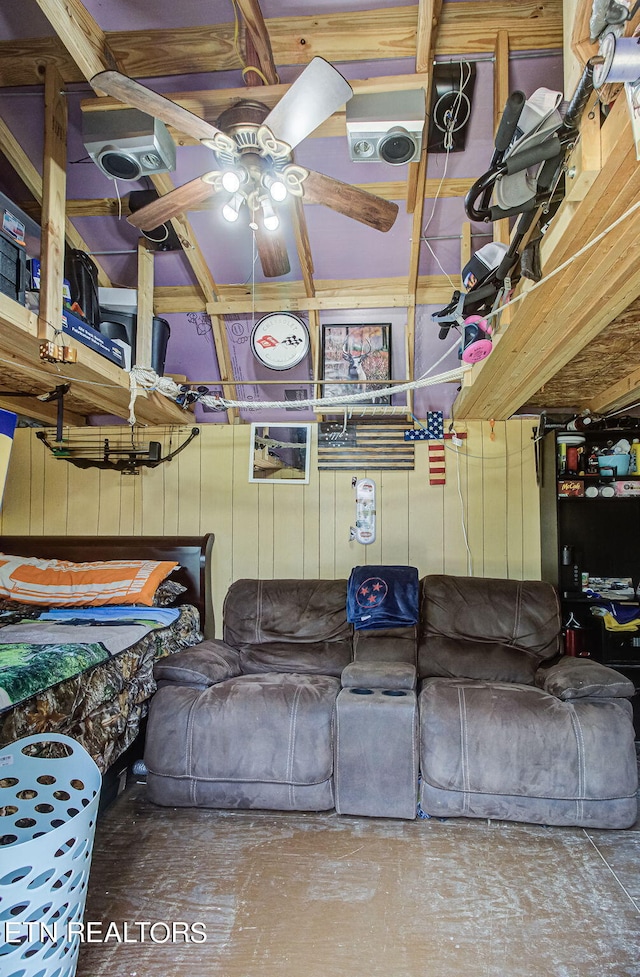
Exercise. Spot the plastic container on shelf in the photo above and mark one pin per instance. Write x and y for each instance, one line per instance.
(48, 808)
(619, 463)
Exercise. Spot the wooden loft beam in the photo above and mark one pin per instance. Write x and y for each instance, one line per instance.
(560, 317)
(96, 383)
(368, 35)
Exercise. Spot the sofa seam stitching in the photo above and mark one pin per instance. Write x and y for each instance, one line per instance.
(292, 726)
(577, 729)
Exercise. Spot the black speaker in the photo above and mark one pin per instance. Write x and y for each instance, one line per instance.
(124, 326)
(164, 237)
(13, 268)
(82, 274)
(451, 100)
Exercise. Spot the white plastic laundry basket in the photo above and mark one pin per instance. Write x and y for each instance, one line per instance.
(48, 808)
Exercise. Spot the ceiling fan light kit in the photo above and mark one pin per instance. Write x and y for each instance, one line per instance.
(254, 158)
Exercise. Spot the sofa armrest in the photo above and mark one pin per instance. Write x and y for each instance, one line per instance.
(581, 678)
(379, 675)
(200, 666)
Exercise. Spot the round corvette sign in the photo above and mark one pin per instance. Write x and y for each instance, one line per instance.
(280, 340)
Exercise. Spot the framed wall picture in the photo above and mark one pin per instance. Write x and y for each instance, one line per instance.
(359, 355)
(280, 453)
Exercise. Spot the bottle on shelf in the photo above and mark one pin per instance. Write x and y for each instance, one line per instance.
(585, 421)
(575, 643)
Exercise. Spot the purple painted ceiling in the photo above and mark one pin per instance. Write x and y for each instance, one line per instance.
(341, 248)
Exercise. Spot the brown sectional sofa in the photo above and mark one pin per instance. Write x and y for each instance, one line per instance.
(472, 713)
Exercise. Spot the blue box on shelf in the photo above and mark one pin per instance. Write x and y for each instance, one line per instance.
(73, 326)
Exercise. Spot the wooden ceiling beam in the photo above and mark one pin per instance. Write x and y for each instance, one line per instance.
(257, 31)
(465, 28)
(359, 293)
(396, 190)
(210, 104)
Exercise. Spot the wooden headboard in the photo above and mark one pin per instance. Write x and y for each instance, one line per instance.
(193, 553)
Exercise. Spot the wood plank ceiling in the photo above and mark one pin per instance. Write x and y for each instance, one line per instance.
(564, 347)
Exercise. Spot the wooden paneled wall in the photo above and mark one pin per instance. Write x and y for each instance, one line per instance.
(484, 521)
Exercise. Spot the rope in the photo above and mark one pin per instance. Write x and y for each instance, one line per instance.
(145, 379)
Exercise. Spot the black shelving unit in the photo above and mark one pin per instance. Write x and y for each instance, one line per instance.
(598, 536)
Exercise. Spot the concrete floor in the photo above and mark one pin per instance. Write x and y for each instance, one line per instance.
(320, 895)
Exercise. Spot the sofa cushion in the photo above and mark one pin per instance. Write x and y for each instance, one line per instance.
(483, 628)
(201, 665)
(274, 729)
(289, 625)
(579, 678)
(517, 741)
(386, 645)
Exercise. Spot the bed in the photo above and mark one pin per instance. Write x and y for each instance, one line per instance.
(104, 705)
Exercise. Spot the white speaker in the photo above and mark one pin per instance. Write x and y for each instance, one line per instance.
(127, 144)
(386, 126)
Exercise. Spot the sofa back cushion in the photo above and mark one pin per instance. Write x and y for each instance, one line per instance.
(487, 629)
(289, 625)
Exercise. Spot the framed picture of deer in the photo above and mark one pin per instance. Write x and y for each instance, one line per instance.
(355, 359)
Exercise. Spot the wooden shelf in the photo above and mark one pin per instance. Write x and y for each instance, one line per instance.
(97, 385)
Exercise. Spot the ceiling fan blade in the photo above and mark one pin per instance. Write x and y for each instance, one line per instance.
(139, 97)
(178, 201)
(272, 250)
(315, 95)
(350, 201)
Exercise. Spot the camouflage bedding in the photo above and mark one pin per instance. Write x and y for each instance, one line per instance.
(103, 707)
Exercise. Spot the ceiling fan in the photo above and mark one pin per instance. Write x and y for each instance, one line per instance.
(253, 150)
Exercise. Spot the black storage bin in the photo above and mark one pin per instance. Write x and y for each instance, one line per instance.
(13, 268)
(123, 326)
(82, 275)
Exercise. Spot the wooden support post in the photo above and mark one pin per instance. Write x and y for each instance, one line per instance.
(144, 331)
(53, 203)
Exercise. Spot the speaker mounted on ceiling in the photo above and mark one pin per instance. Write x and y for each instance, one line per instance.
(163, 237)
(127, 144)
(451, 102)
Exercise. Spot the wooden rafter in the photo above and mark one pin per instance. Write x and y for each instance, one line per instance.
(210, 104)
(429, 13)
(257, 32)
(368, 35)
(353, 293)
(393, 190)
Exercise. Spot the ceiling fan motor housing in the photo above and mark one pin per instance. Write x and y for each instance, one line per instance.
(127, 144)
(386, 126)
